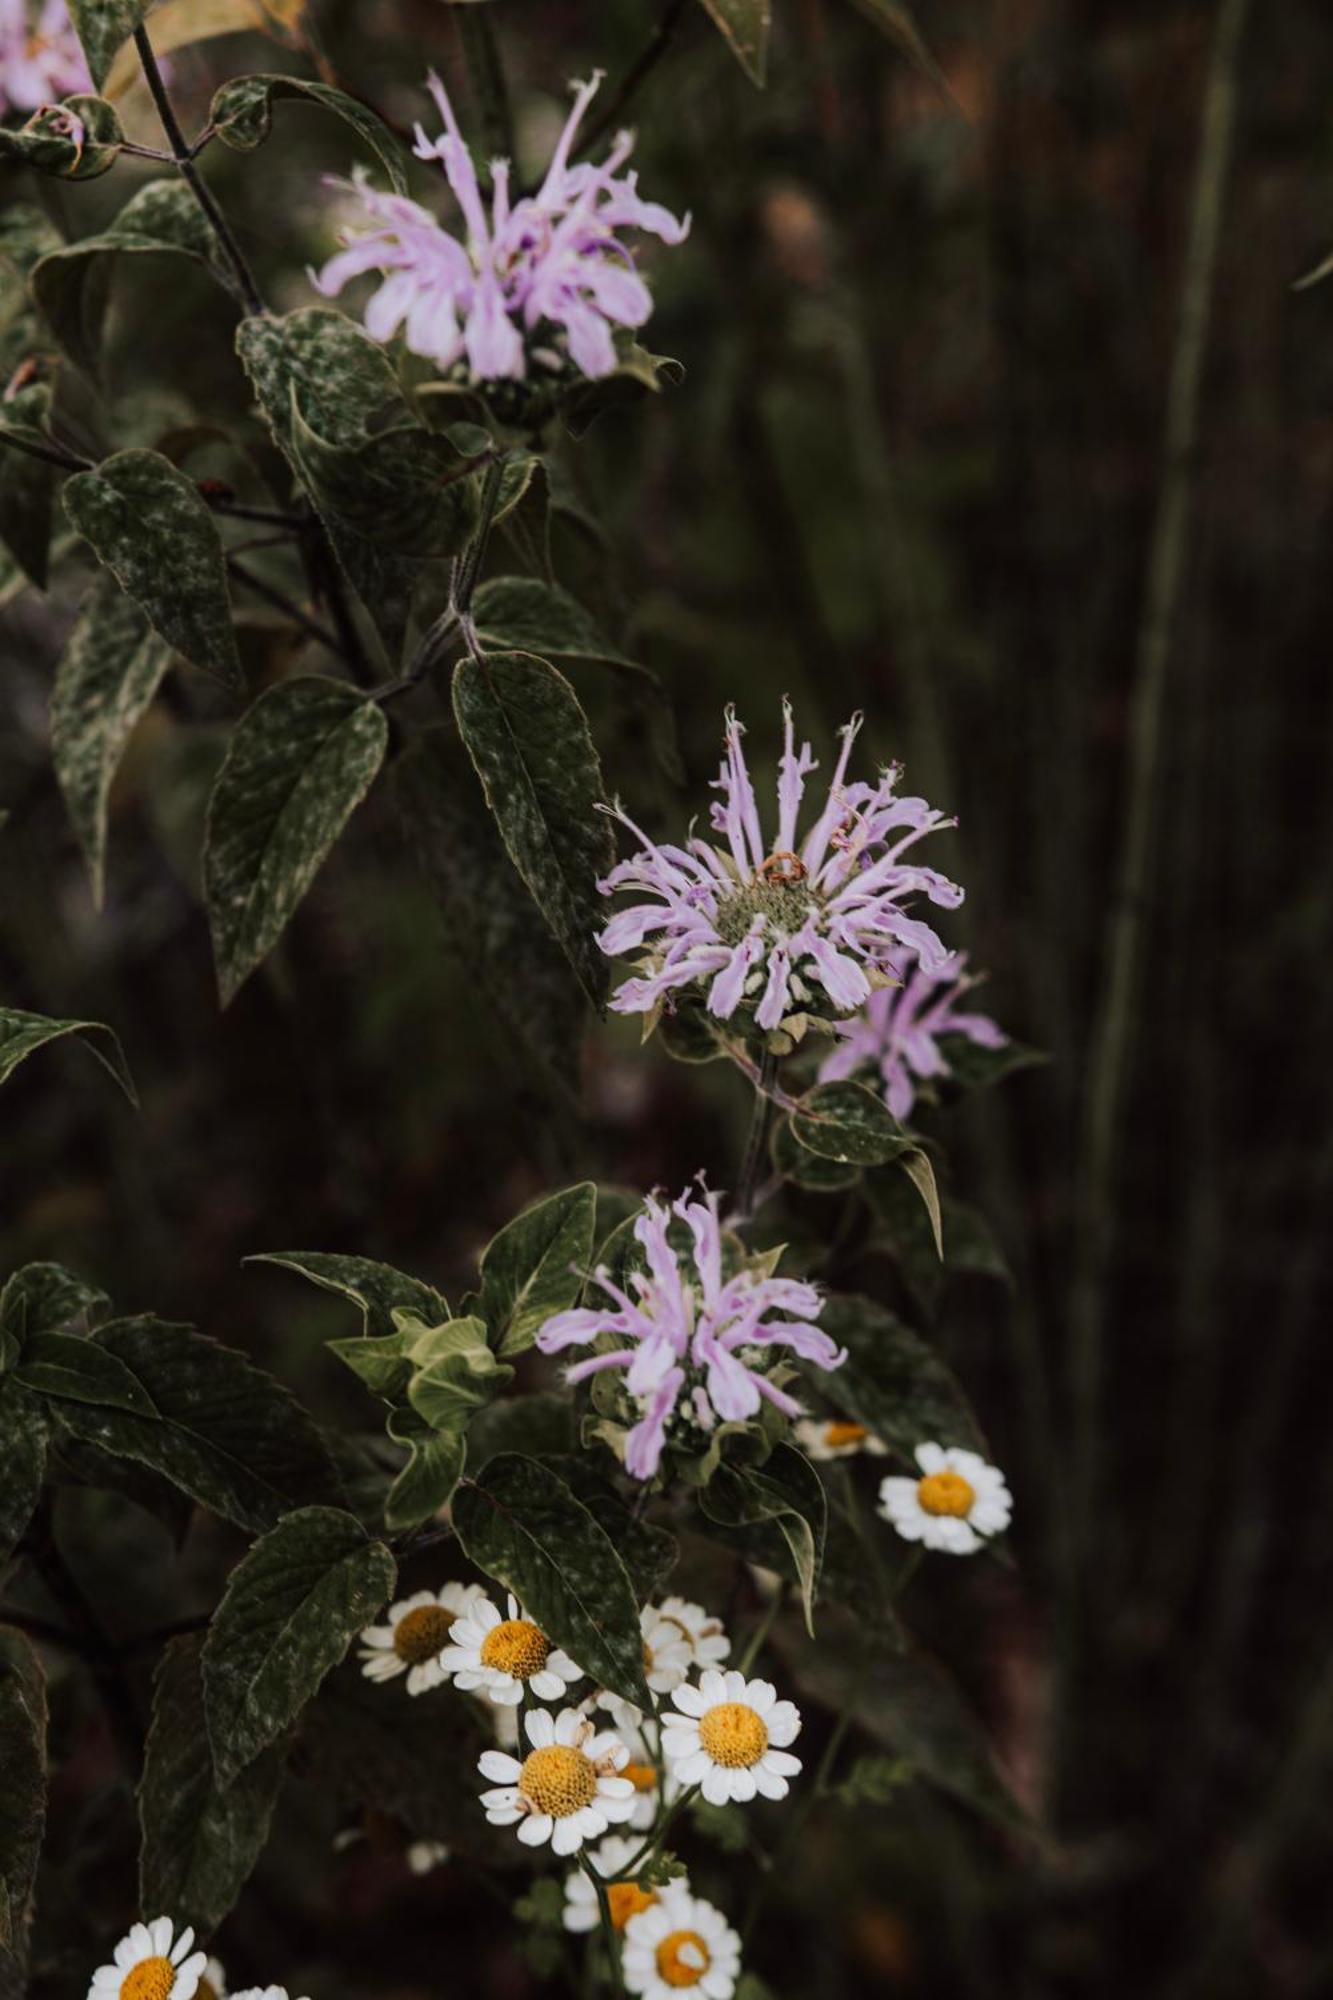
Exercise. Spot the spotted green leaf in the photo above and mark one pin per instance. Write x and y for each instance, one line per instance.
(404, 489)
(523, 613)
(745, 26)
(27, 484)
(529, 740)
(67, 1367)
(536, 1266)
(520, 1523)
(23, 1793)
(777, 1514)
(22, 1461)
(893, 1381)
(849, 1124)
(971, 1066)
(242, 116)
(435, 1461)
(43, 1298)
(299, 763)
(290, 1611)
(377, 1289)
(21, 1034)
(199, 1838)
(108, 674)
(75, 141)
(103, 25)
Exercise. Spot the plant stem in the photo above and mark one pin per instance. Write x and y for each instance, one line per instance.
(482, 54)
(609, 1937)
(650, 1847)
(280, 600)
(246, 288)
(757, 1144)
(51, 454)
(470, 562)
(763, 1627)
(635, 77)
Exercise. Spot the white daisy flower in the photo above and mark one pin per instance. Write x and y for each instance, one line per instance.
(668, 1652)
(213, 1985)
(709, 1644)
(954, 1506)
(415, 1636)
(632, 1727)
(423, 1855)
(731, 1738)
(611, 1856)
(504, 1656)
(263, 1993)
(830, 1437)
(147, 1965)
(681, 1942)
(569, 1787)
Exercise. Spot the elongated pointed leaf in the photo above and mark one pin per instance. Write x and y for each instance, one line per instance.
(107, 677)
(199, 1839)
(536, 1266)
(299, 763)
(529, 740)
(291, 1609)
(377, 1289)
(242, 116)
(43, 1298)
(520, 1523)
(103, 25)
(21, 1034)
(68, 1368)
(745, 26)
(23, 1792)
(149, 525)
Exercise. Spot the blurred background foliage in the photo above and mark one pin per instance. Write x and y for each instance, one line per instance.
(928, 327)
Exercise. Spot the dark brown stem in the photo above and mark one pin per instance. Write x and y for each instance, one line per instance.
(280, 600)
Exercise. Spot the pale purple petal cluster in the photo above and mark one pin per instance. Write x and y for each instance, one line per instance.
(693, 1345)
(40, 57)
(898, 1032)
(539, 283)
(783, 928)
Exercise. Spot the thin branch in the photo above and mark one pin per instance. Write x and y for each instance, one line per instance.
(281, 602)
(264, 517)
(634, 78)
(51, 453)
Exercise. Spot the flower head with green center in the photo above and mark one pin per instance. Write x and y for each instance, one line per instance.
(807, 925)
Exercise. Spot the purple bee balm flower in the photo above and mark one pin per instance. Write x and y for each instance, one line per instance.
(544, 281)
(898, 1032)
(693, 1345)
(40, 56)
(773, 931)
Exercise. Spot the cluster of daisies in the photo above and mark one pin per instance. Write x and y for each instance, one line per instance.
(155, 1962)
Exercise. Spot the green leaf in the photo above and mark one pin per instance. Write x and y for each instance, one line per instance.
(150, 526)
(200, 1840)
(896, 21)
(377, 1289)
(509, 956)
(973, 1067)
(42, 1298)
(523, 614)
(70, 1368)
(795, 1163)
(848, 1123)
(404, 490)
(902, 1229)
(22, 1462)
(457, 1373)
(745, 26)
(785, 1494)
(520, 1523)
(23, 1792)
(892, 1380)
(536, 1266)
(76, 140)
(529, 740)
(690, 1034)
(299, 762)
(242, 116)
(21, 1034)
(538, 1425)
(434, 1467)
(226, 1433)
(648, 1553)
(108, 674)
(102, 26)
(291, 1609)
(27, 485)
(70, 284)
(919, 1171)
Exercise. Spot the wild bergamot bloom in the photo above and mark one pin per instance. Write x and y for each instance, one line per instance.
(680, 1944)
(730, 1737)
(502, 1657)
(151, 1963)
(695, 1348)
(898, 1032)
(611, 1856)
(766, 932)
(832, 1437)
(956, 1504)
(416, 1635)
(543, 283)
(568, 1789)
(40, 56)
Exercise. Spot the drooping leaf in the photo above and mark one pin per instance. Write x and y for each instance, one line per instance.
(27, 484)
(242, 116)
(102, 26)
(892, 1380)
(70, 284)
(150, 526)
(427, 1482)
(529, 740)
(377, 1289)
(108, 674)
(520, 1523)
(902, 1229)
(778, 1512)
(848, 1123)
(290, 1611)
(75, 141)
(68, 1368)
(22, 1462)
(508, 952)
(42, 1298)
(23, 1792)
(21, 1034)
(637, 374)
(536, 1265)
(916, 1164)
(199, 1839)
(226, 1432)
(745, 26)
(796, 1162)
(300, 761)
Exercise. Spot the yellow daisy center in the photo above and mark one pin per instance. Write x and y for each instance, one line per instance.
(626, 1900)
(558, 1780)
(838, 1436)
(419, 1635)
(515, 1647)
(150, 1979)
(682, 1958)
(946, 1492)
(643, 1777)
(733, 1735)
